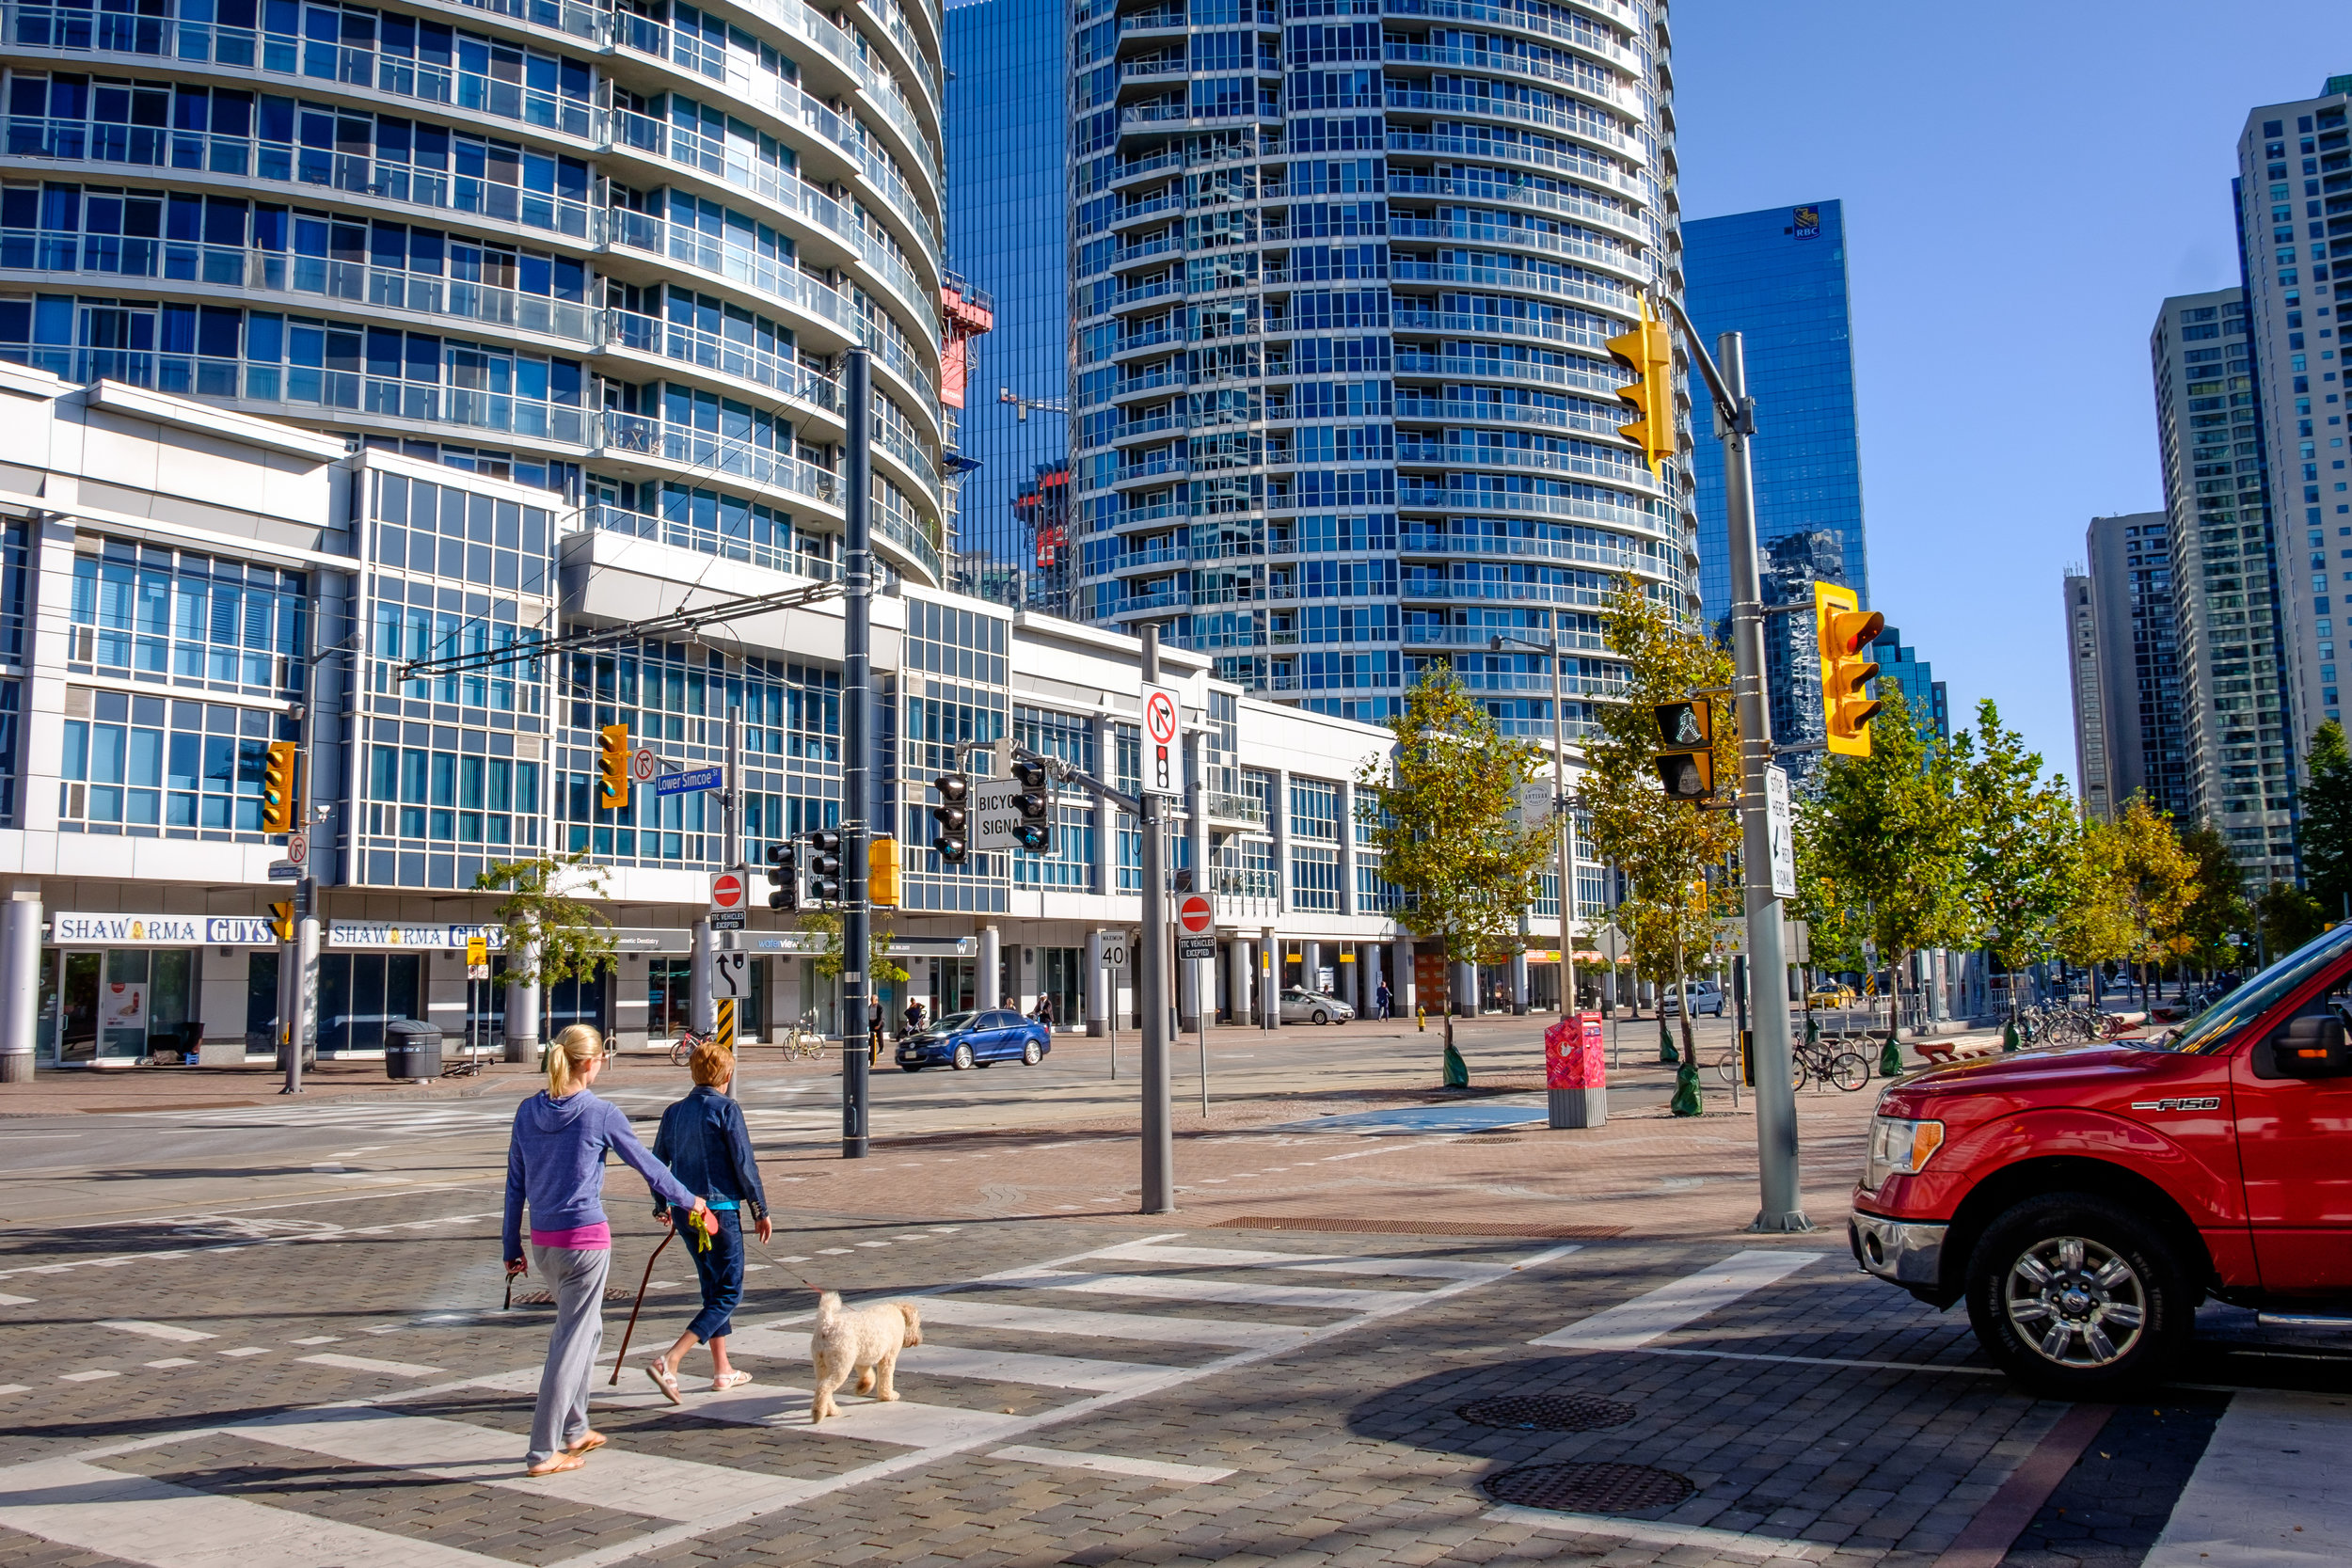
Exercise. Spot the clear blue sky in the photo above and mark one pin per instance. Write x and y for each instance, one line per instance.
(2022, 186)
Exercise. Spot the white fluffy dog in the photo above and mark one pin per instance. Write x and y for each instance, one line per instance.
(864, 1340)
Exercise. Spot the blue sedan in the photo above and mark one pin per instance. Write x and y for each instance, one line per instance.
(975, 1039)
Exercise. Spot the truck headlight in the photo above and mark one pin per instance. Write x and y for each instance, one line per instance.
(1899, 1147)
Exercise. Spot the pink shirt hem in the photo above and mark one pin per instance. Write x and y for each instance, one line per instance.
(586, 1238)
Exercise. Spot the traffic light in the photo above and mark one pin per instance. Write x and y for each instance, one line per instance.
(278, 787)
(882, 872)
(1845, 632)
(281, 920)
(1648, 352)
(1686, 766)
(613, 767)
(824, 866)
(1035, 831)
(784, 877)
(951, 818)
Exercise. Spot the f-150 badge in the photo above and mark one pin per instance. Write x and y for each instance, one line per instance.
(2201, 1103)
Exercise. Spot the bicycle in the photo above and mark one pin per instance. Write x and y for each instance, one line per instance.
(682, 1052)
(802, 1041)
(1830, 1060)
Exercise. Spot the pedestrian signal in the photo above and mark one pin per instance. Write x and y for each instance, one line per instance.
(1686, 763)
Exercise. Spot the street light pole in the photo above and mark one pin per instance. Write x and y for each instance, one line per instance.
(857, 793)
(1782, 1206)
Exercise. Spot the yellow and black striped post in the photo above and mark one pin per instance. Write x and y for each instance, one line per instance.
(723, 1027)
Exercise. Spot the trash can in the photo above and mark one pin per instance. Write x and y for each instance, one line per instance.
(412, 1049)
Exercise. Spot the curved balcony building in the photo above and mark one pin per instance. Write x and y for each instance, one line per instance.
(615, 251)
(1343, 272)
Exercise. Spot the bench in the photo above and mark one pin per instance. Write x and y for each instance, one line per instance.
(1945, 1052)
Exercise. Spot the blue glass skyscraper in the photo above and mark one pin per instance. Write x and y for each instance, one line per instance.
(1008, 140)
(1778, 276)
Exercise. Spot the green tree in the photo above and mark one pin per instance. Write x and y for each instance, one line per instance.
(2219, 912)
(881, 968)
(1664, 846)
(553, 933)
(2024, 842)
(1443, 807)
(2289, 917)
(2157, 886)
(2327, 812)
(1890, 833)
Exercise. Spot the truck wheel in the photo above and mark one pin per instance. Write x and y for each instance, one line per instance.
(2076, 1298)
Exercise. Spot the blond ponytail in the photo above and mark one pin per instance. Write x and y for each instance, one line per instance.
(572, 1049)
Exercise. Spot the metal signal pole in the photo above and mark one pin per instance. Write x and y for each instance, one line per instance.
(1152, 971)
(857, 683)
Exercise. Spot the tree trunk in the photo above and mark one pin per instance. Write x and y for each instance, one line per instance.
(1682, 997)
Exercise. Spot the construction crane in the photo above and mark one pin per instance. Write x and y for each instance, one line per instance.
(1044, 405)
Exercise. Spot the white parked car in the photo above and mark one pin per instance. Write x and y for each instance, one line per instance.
(1313, 1006)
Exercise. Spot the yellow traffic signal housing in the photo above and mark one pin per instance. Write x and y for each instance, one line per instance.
(281, 920)
(1648, 352)
(882, 872)
(613, 767)
(1686, 766)
(1845, 632)
(278, 786)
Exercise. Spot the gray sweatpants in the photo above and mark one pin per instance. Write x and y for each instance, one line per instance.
(575, 1279)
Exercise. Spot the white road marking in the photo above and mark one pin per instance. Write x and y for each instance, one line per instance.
(628, 1480)
(362, 1364)
(1317, 1262)
(1111, 1464)
(1178, 1288)
(1670, 1306)
(247, 1350)
(171, 1361)
(316, 1339)
(1659, 1535)
(1043, 1372)
(142, 1520)
(2269, 1491)
(156, 1331)
(87, 1377)
(14, 1388)
(906, 1423)
(16, 1301)
(1140, 1326)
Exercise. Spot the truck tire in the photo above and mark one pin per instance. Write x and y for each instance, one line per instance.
(2078, 1298)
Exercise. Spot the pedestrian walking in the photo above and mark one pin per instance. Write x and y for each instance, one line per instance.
(873, 1030)
(555, 1168)
(1044, 1013)
(915, 1018)
(708, 1148)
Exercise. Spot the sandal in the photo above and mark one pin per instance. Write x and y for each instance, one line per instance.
(664, 1380)
(556, 1464)
(588, 1443)
(734, 1379)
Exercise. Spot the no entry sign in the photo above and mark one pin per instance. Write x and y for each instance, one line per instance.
(727, 890)
(1195, 915)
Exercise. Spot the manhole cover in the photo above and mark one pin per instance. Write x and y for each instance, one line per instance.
(1590, 1488)
(1549, 1413)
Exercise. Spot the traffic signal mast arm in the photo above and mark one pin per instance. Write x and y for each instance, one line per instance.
(1062, 772)
(1738, 413)
(657, 626)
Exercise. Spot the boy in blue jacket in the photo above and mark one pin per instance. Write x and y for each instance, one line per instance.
(708, 1148)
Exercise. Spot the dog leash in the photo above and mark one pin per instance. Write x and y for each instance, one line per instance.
(642, 1283)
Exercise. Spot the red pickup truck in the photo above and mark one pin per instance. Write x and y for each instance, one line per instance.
(2084, 1201)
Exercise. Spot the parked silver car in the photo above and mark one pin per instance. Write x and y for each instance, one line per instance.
(1706, 997)
(1313, 1006)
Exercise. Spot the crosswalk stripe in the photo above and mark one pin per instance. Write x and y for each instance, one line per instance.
(156, 1331)
(1111, 1464)
(363, 1364)
(634, 1482)
(906, 1423)
(2268, 1492)
(1178, 1288)
(1043, 1372)
(138, 1519)
(1324, 1262)
(1686, 1300)
(1142, 1327)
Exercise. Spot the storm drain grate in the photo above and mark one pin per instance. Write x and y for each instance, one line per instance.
(541, 1298)
(1590, 1488)
(1549, 1413)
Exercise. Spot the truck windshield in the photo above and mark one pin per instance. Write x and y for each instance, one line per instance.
(2217, 1023)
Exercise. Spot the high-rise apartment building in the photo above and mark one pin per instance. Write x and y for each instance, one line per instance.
(617, 254)
(2122, 632)
(1007, 143)
(2294, 216)
(2237, 738)
(1340, 289)
(1779, 278)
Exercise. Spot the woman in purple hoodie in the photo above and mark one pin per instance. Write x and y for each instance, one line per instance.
(555, 1165)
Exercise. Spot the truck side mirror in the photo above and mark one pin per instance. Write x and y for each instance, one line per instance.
(2312, 1047)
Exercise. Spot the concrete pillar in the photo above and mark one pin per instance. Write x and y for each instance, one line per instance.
(985, 994)
(1368, 959)
(1402, 985)
(1349, 992)
(1464, 989)
(1098, 988)
(1278, 825)
(522, 1006)
(1519, 983)
(1105, 873)
(1269, 980)
(1348, 847)
(1239, 968)
(1311, 965)
(704, 1015)
(19, 986)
